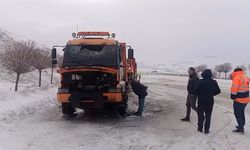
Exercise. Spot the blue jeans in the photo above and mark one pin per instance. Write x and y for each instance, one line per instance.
(141, 104)
(239, 112)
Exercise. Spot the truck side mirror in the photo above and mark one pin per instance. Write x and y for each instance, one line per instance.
(130, 53)
(53, 53)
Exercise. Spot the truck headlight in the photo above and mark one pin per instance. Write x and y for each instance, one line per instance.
(62, 90)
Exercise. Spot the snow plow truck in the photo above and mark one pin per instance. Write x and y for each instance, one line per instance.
(94, 72)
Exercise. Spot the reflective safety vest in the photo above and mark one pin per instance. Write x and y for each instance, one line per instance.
(240, 87)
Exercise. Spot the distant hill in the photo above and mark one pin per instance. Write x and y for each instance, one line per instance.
(4, 37)
(181, 67)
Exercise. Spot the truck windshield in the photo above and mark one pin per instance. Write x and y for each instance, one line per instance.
(91, 55)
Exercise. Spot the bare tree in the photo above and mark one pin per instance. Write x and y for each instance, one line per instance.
(226, 67)
(243, 67)
(59, 60)
(219, 69)
(214, 73)
(200, 68)
(42, 61)
(18, 57)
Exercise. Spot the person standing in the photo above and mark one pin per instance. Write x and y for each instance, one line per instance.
(191, 97)
(206, 89)
(240, 95)
(141, 91)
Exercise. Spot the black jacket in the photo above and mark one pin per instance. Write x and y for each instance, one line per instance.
(192, 82)
(139, 89)
(207, 88)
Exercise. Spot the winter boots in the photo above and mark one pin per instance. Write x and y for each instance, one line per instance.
(185, 119)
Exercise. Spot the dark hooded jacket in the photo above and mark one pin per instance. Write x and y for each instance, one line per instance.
(192, 82)
(139, 89)
(207, 88)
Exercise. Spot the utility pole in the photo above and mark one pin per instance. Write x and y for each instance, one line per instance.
(52, 70)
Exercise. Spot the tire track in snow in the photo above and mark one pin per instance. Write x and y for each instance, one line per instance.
(213, 135)
(159, 129)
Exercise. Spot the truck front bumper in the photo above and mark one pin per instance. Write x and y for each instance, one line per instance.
(89, 99)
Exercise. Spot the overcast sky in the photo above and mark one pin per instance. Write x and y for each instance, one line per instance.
(159, 30)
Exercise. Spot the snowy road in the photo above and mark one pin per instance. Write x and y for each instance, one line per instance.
(42, 127)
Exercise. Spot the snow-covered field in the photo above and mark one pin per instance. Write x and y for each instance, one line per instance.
(31, 120)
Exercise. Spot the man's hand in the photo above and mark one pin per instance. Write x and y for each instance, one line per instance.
(233, 97)
(192, 95)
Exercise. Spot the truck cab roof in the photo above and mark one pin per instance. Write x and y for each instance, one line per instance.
(92, 38)
(92, 41)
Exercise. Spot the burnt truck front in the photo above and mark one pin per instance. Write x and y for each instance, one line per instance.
(92, 75)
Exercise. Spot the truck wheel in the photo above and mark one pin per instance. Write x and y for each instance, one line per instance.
(123, 106)
(67, 109)
(122, 110)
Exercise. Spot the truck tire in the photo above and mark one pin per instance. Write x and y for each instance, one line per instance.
(123, 106)
(67, 109)
(122, 110)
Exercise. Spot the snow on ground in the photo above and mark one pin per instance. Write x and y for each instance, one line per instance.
(29, 94)
(31, 119)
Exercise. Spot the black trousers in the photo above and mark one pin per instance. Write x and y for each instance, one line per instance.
(239, 112)
(204, 114)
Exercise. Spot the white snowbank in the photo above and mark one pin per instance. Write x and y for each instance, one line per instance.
(30, 119)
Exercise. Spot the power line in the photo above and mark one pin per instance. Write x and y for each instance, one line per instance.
(21, 37)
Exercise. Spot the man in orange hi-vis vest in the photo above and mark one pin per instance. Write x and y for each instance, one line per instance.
(240, 95)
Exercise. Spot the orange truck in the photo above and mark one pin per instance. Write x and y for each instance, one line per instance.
(94, 73)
